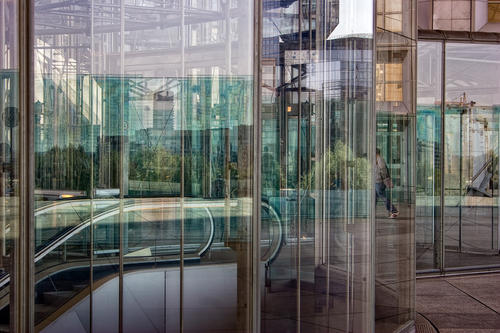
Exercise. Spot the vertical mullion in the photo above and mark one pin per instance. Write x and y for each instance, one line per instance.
(441, 238)
(347, 130)
(255, 305)
(325, 121)
(299, 125)
(471, 10)
(413, 147)
(91, 224)
(183, 84)
(372, 159)
(182, 223)
(22, 281)
(122, 163)
(432, 15)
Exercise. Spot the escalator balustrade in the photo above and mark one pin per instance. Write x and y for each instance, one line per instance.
(153, 228)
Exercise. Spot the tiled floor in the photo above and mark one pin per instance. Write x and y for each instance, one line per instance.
(466, 304)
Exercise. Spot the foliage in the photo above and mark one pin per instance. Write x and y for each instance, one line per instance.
(343, 170)
(155, 165)
(63, 169)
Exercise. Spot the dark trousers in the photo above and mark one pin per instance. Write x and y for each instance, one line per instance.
(381, 193)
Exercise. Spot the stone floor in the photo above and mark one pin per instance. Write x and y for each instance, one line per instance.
(465, 304)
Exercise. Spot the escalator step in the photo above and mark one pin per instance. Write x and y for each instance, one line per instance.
(41, 309)
(57, 297)
(78, 287)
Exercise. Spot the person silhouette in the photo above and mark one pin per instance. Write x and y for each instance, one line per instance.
(382, 181)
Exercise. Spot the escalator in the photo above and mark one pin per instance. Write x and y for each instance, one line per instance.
(151, 231)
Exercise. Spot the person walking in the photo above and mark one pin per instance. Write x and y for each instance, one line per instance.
(382, 181)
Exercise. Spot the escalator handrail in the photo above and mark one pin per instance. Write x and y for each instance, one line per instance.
(61, 204)
(69, 233)
(277, 249)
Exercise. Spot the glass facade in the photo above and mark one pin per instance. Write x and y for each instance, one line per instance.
(428, 150)
(316, 124)
(395, 135)
(457, 215)
(9, 149)
(221, 165)
(143, 155)
(459, 15)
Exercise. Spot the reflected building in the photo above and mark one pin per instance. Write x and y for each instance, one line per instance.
(457, 137)
(210, 166)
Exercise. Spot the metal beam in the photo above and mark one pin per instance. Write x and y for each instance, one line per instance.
(22, 295)
(255, 305)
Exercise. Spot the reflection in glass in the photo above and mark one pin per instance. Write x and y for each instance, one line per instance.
(429, 150)
(394, 166)
(471, 167)
(143, 131)
(9, 151)
(316, 111)
(493, 11)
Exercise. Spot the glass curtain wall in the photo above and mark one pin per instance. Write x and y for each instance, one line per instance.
(429, 154)
(9, 149)
(469, 145)
(143, 151)
(471, 167)
(317, 120)
(145, 192)
(394, 165)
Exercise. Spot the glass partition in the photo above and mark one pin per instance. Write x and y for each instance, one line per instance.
(458, 157)
(394, 164)
(317, 109)
(471, 155)
(9, 148)
(146, 146)
(429, 150)
(144, 162)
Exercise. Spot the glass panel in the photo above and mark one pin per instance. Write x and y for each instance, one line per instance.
(63, 169)
(280, 104)
(394, 167)
(316, 115)
(144, 166)
(217, 145)
(9, 150)
(428, 162)
(395, 16)
(471, 167)
(424, 14)
(493, 11)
